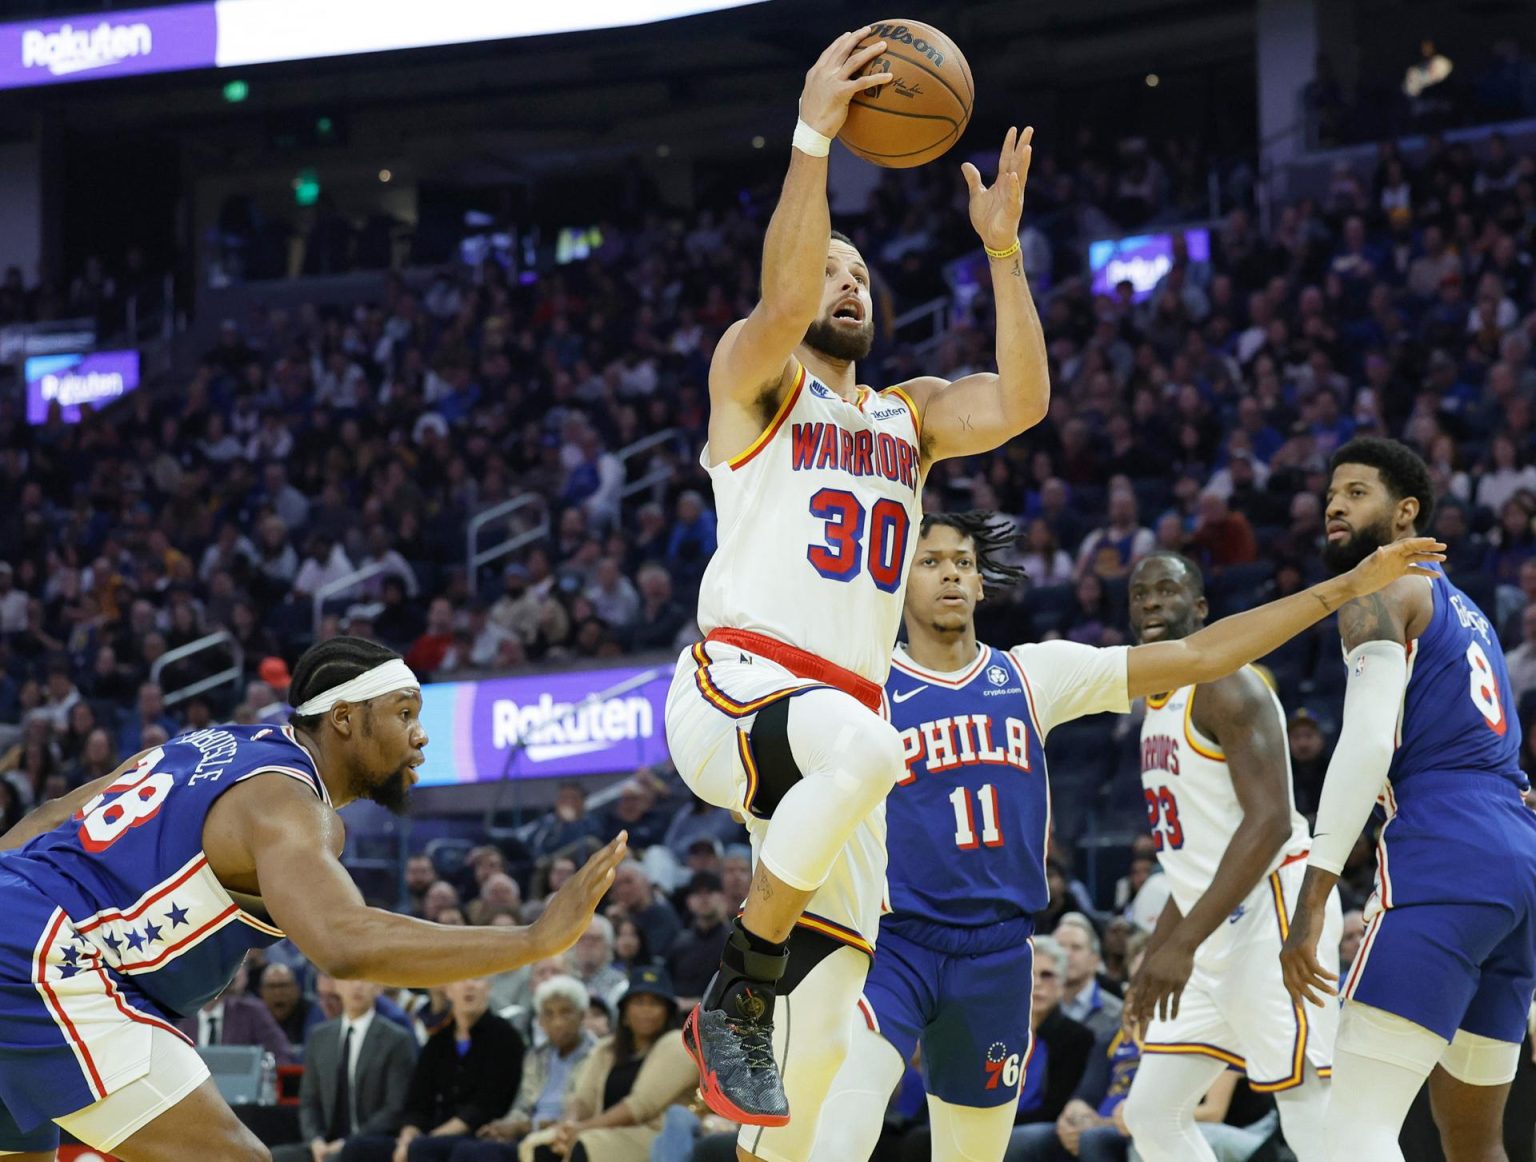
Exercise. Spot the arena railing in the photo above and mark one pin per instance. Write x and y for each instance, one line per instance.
(229, 676)
(343, 584)
(645, 444)
(475, 558)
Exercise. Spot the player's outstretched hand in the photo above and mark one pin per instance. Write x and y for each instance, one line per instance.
(569, 910)
(1158, 985)
(834, 80)
(1305, 978)
(1390, 562)
(996, 209)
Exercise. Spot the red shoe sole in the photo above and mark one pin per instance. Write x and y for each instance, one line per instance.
(709, 1085)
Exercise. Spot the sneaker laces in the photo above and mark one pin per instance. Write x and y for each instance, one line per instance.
(756, 1041)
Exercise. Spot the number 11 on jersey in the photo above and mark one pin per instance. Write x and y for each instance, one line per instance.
(965, 818)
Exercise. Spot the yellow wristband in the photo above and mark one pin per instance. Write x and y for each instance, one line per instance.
(1009, 253)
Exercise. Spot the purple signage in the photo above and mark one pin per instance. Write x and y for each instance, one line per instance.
(97, 379)
(585, 722)
(1141, 260)
(108, 44)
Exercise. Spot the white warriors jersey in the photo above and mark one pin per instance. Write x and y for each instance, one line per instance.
(1191, 806)
(817, 523)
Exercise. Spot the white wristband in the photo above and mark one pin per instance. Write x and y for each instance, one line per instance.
(809, 142)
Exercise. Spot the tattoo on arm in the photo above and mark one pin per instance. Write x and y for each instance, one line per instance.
(1369, 619)
(764, 885)
(967, 425)
(1017, 270)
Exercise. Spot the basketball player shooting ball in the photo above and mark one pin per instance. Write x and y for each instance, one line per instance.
(775, 715)
(1442, 984)
(132, 901)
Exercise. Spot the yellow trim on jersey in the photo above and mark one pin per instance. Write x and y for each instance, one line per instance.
(1198, 1049)
(1299, 1054)
(1204, 751)
(748, 764)
(1158, 701)
(723, 701)
(917, 416)
(774, 424)
(836, 931)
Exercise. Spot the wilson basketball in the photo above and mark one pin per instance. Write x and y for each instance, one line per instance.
(922, 111)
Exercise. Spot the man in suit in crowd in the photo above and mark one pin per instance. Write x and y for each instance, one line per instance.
(467, 1074)
(296, 1015)
(234, 1017)
(360, 1093)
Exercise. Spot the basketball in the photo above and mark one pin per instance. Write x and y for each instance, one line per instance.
(922, 111)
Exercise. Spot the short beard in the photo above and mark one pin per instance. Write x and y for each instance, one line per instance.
(393, 794)
(1342, 556)
(834, 342)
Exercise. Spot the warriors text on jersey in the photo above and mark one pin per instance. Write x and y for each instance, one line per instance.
(1192, 809)
(133, 890)
(969, 819)
(817, 526)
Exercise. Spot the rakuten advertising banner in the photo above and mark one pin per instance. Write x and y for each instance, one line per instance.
(550, 725)
(97, 378)
(108, 44)
(252, 32)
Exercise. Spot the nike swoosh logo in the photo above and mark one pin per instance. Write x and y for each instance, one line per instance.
(902, 697)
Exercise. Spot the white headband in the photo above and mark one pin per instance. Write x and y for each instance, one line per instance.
(385, 678)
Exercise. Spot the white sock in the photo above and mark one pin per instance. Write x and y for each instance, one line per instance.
(1160, 1109)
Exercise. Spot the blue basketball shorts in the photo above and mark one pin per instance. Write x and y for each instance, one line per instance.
(969, 1012)
(72, 1030)
(1450, 939)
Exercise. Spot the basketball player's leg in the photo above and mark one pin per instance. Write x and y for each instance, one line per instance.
(1469, 1115)
(899, 998)
(174, 1111)
(1160, 1109)
(813, 1033)
(1382, 1061)
(1182, 1056)
(976, 1052)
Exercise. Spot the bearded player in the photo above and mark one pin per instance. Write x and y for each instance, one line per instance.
(969, 822)
(132, 901)
(775, 715)
(1442, 984)
(1216, 774)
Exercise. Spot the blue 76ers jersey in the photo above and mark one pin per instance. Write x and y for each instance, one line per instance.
(1459, 710)
(129, 870)
(968, 821)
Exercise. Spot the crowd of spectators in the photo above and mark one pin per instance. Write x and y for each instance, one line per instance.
(306, 445)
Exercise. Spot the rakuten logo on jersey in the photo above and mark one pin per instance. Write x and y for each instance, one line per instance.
(77, 50)
(547, 730)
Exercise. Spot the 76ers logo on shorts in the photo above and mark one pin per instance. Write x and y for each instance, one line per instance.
(1003, 1067)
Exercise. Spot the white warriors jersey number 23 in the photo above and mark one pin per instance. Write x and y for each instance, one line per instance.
(817, 523)
(1192, 809)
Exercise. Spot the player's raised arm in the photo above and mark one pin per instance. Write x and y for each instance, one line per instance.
(753, 355)
(984, 411)
(293, 842)
(1219, 649)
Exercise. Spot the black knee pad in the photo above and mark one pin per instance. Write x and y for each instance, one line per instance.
(770, 756)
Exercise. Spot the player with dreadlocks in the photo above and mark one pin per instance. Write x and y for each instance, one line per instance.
(969, 822)
(133, 900)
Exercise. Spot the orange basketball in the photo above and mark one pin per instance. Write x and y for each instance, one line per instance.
(923, 110)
